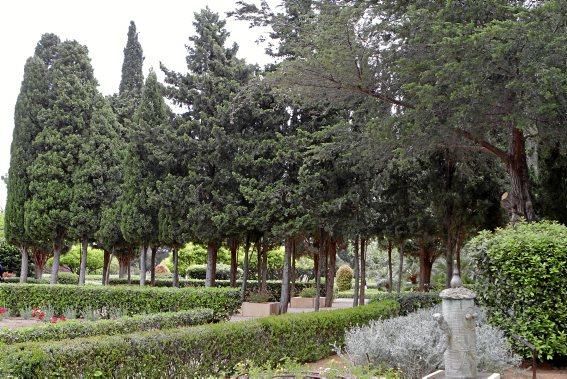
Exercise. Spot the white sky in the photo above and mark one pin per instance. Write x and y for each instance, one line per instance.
(102, 25)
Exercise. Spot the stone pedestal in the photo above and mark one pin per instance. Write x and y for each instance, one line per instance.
(259, 309)
(305, 302)
(458, 323)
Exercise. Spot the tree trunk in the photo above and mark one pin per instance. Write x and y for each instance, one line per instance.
(39, 259)
(425, 266)
(175, 267)
(123, 261)
(129, 272)
(105, 266)
(293, 272)
(83, 267)
(331, 271)
(245, 269)
(284, 298)
(518, 202)
(264, 284)
(449, 251)
(390, 273)
(233, 261)
(153, 253)
(107, 277)
(362, 293)
(24, 268)
(143, 254)
(56, 256)
(356, 273)
(317, 263)
(259, 261)
(401, 268)
(210, 278)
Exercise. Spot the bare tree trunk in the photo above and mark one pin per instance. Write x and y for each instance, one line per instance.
(293, 272)
(39, 259)
(123, 261)
(56, 256)
(264, 284)
(210, 278)
(362, 294)
(143, 254)
(356, 273)
(245, 269)
(233, 261)
(105, 266)
(24, 268)
(390, 273)
(83, 267)
(317, 263)
(401, 268)
(331, 271)
(175, 254)
(153, 252)
(129, 272)
(107, 276)
(449, 253)
(259, 261)
(284, 298)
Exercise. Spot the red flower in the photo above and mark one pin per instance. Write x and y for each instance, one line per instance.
(3, 310)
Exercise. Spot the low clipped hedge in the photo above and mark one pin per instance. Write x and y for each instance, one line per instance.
(201, 351)
(274, 286)
(81, 328)
(410, 301)
(129, 299)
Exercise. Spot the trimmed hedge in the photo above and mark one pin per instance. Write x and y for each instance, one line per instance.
(520, 278)
(201, 351)
(81, 328)
(274, 286)
(410, 301)
(131, 300)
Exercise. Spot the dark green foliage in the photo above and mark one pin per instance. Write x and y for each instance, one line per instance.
(200, 351)
(344, 278)
(70, 329)
(410, 301)
(10, 257)
(131, 300)
(132, 77)
(199, 272)
(521, 273)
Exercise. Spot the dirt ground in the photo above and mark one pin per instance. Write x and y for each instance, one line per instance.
(17, 322)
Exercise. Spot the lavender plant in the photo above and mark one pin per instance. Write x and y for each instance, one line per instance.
(414, 345)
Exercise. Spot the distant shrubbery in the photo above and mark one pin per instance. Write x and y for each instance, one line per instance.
(410, 301)
(344, 278)
(521, 273)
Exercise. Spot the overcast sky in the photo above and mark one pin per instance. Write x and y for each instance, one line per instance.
(102, 25)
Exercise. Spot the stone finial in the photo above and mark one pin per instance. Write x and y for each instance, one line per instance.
(456, 279)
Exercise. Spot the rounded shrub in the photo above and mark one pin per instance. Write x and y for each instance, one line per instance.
(344, 278)
(520, 276)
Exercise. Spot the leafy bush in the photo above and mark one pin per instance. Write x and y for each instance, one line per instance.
(72, 259)
(131, 300)
(308, 292)
(344, 278)
(195, 254)
(414, 344)
(200, 272)
(162, 270)
(520, 275)
(76, 329)
(201, 351)
(259, 297)
(410, 301)
(10, 257)
(67, 278)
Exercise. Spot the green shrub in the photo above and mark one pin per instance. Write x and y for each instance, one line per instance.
(67, 278)
(308, 292)
(131, 300)
(72, 259)
(344, 278)
(520, 275)
(200, 272)
(410, 301)
(10, 257)
(201, 351)
(259, 297)
(80, 328)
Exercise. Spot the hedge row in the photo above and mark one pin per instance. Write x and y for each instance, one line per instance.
(274, 286)
(201, 351)
(81, 328)
(129, 299)
(410, 301)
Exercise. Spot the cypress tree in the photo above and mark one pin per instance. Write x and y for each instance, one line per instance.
(72, 88)
(143, 168)
(31, 101)
(215, 76)
(94, 176)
